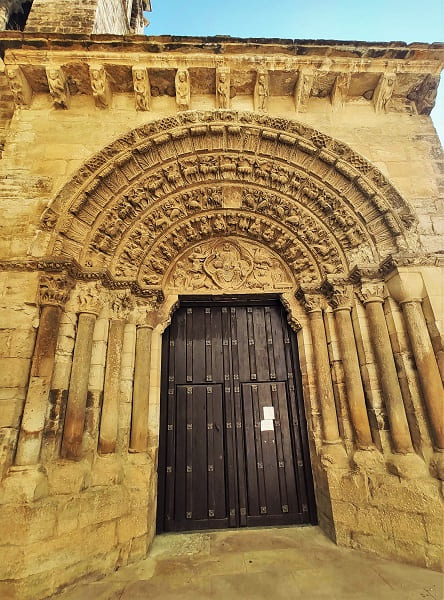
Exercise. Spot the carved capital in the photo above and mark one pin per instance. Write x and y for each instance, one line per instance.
(90, 298)
(312, 300)
(142, 88)
(371, 292)
(100, 86)
(58, 86)
(340, 295)
(54, 289)
(19, 86)
(120, 304)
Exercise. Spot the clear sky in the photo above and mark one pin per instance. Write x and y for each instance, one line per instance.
(365, 20)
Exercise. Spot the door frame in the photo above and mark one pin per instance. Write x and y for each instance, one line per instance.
(230, 300)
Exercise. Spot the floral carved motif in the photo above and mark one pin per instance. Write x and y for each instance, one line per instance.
(228, 264)
(55, 289)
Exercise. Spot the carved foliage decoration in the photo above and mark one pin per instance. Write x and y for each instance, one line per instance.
(228, 264)
(142, 189)
(54, 289)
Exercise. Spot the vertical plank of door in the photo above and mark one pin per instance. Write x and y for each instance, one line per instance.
(280, 451)
(210, 452)
(288, 469)
(189, 453)
(238, 414)
(189, 349)
(250, 454)
(260, 343)
(219, 476)
(269, 456)
(251, 344)
(227, 428)
(259, 452)
(180, 458)
(170, 465)
(270, 342)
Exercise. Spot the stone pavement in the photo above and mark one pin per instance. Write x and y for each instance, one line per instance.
(279, 563)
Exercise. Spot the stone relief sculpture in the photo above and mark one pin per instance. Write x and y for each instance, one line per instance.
(223, 88)
(183, 93)
(228, 264)
(19, 86)
(261, 92)
(142, 88)
(58, 87)
(384, 91)
(100, 86)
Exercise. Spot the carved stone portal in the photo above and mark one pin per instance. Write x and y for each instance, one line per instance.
(228, 264)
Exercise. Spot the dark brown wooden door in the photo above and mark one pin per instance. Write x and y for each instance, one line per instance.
(233, 441)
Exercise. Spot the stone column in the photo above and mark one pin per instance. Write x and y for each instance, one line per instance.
(139, 420)
(111, 391)
(78, 386)
(372, 297)
(54, 291)
(407, 288)
(341, 301)
(313, 306)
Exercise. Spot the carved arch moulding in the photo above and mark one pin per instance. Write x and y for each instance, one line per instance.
(275, 190)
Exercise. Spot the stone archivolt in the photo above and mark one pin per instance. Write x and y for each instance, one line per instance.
(183, 179)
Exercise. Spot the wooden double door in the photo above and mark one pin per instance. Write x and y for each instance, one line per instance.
(233, 440)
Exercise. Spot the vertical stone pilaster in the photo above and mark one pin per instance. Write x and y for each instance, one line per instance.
(139, 421)
(407, 288)
(54, 291)
(78, 386)
(372, 298)
(313, 306)
(340, 299)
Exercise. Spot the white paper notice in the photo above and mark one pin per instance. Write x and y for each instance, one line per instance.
(267, 425)
(268, 412)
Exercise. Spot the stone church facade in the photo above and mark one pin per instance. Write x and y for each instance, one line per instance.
(140, 171)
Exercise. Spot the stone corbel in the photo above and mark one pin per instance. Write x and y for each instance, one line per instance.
(261, 91)
(19, 86)
(183, 89)
(142, 88)
(58, 86)
(384, 91)
(101, 86)
(340, 89)
(223, 87)
(302, 89)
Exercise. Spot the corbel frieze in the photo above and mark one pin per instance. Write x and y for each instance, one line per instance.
(101, 86)
(19, 86)
(58, 86)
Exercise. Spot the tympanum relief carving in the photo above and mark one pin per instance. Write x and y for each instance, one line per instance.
(228, 264)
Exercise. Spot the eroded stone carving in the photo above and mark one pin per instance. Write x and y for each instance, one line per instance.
(54, 289)
(19, 86)
(142, 88)
(183, 89)
(100, 86)
(228, 264)
(89, 298)
(58, 86)
(261, 92)
(223, 87)
(303, 89)
(384, 91)
(340, 90)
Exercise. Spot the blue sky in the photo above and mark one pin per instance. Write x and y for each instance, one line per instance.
(375, 20)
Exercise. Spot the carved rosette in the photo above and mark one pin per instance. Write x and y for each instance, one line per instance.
(54, 289)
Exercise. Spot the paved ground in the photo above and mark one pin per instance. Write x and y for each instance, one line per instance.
(281, 563)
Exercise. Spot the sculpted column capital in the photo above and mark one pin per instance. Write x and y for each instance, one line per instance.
(340, 295)
(54, 289)
(312, 299)
(90, 299)
(405, 286)
(371, 292)
(120, 304)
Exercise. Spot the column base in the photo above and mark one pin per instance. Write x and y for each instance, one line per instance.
(437, 464)
(368, 460)
(334, 455)
(407, 466)
(24, 484)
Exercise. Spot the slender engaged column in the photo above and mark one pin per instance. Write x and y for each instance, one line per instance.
(78, 385)
(340, 299)
(54, 291)
(111, 391)
(330, 427)
(407, 289)
(372, 297)
(139, 420)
